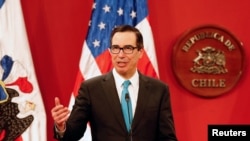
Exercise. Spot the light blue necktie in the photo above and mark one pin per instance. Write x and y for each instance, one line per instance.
(126, 105)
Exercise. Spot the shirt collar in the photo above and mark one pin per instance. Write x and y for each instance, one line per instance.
(119, 79)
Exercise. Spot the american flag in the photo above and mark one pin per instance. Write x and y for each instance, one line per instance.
(95, 57)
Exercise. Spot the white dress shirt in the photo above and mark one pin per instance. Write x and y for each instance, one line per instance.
(133, 87)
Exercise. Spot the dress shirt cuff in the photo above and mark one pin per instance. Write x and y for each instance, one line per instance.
(60, 133)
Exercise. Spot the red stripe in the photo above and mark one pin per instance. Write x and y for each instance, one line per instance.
(104, 62)
(145, 66)
(79, 79)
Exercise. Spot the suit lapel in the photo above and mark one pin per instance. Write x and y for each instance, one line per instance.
(143, 97)
(111, 94)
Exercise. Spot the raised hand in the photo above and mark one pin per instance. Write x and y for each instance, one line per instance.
(60, 114)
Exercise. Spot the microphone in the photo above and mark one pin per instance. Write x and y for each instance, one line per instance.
(127, 98)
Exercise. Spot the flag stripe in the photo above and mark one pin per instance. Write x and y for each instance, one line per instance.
(149, 46)
(88, 65)
(103, 62)
(79, 79)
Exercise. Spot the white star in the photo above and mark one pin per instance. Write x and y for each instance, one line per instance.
(94, 6)
(106, 8)
(133, 14)
(90, 21)
(101, 26)
(120, 11)
(96, 43)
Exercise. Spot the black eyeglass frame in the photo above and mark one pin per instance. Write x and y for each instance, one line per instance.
(127, 49)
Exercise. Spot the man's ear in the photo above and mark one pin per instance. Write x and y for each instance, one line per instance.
(141, 52)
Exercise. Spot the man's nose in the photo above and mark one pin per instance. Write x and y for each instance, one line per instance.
(121, 53)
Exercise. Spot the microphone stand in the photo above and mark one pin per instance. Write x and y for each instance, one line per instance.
(127, 98)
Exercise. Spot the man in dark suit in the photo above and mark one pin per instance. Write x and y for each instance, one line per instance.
(149, 115)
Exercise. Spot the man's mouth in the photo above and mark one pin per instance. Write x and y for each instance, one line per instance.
(122, 64)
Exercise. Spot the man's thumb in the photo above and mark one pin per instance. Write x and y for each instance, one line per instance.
(57, 101)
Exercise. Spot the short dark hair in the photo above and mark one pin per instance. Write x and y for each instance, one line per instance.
(129, 28)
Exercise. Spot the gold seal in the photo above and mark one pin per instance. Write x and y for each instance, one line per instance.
(208, 60)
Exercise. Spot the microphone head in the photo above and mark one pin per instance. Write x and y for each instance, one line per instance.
(127, 97)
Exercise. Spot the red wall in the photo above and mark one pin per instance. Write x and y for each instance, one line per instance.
(56, 30)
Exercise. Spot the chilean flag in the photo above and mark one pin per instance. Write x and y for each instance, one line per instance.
(95, 58)
(22, 113)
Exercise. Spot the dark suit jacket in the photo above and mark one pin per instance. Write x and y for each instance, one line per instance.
(98, 103)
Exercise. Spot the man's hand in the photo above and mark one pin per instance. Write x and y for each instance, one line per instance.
(60, 114)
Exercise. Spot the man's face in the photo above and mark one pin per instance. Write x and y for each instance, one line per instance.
(125, 64)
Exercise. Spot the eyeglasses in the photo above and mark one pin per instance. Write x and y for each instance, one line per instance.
(127, 49)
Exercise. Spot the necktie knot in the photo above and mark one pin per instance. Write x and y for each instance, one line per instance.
(126, 83)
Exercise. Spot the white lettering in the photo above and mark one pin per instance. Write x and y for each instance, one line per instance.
(216, 132)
